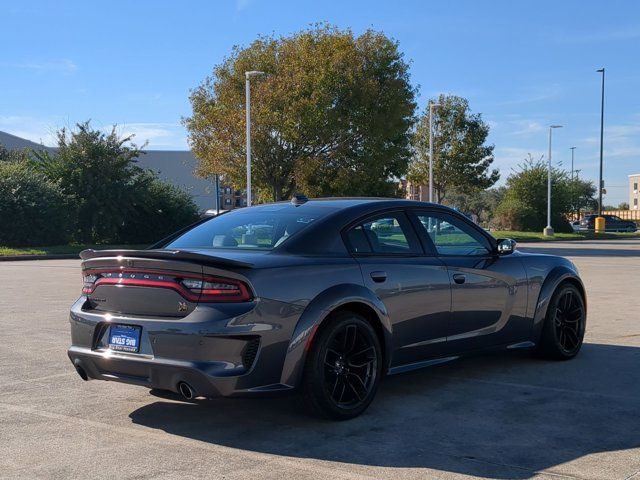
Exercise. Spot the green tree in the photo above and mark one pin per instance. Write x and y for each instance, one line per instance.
(482, 203)
(623, 206)
(7, 155)
(34, 210)
(116, 200)
(524, 206)
(462, 161)
(332, 115)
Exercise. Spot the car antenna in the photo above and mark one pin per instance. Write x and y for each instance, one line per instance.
(299, 199)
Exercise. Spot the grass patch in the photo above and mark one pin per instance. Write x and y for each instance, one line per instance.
(60, 249)
(539, 237)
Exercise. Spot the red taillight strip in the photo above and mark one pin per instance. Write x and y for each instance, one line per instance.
(205, 295)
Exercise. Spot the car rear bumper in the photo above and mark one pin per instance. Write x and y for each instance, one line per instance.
(219, 351)
(162, 374)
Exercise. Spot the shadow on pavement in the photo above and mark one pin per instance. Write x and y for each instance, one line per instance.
(507, 415)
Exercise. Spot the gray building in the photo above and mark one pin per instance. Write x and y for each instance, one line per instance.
(173, 166)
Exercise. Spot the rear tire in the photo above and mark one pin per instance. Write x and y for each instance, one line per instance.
(564, 325)
(343, 368)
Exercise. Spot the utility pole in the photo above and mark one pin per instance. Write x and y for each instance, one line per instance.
(601, 144)
(548, 230)
(573, 185)
(248, 76)
(431, 107)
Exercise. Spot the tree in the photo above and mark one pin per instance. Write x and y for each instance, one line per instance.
(623, 206)
(461, 161)
(524, 206)
(7, 155)
(33, 209)
(332, 115)
(483, 203)
(116, 200)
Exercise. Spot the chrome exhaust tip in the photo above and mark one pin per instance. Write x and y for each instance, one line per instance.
(186, 390)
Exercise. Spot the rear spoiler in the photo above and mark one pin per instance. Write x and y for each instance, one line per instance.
(159, 254)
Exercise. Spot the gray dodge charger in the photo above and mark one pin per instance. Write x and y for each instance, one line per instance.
(321, 296)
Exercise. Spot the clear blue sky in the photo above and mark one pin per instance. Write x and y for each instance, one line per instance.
(523, 65)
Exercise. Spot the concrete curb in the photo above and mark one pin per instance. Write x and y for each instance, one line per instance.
(61, 256)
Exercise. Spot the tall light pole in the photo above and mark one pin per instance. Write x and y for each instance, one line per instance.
(548, 230)
(248, 76)
(601, 144)
(573, 186)
(431, 107)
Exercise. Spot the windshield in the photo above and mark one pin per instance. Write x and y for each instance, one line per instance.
(262, 229)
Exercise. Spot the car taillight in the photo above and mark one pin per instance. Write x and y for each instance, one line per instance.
(214, 289)
(192, 287)
(88, 283)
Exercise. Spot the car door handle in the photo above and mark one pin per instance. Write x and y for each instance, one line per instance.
(459, 278)
(378, 276)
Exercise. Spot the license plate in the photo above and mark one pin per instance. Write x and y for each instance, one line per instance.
(124, 338)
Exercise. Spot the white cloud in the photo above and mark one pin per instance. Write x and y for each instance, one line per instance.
(242, 5)
(64, 66)
(158, 136)
(36, 130)
(533, 95)
(619, 33)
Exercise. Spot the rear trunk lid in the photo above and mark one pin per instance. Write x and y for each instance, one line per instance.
(159, 283)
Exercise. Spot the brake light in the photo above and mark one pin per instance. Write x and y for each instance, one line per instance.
(192, 287)
(88, 283)
(217, 289)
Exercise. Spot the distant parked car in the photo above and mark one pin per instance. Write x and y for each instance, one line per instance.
(575, 225)
(612, 223)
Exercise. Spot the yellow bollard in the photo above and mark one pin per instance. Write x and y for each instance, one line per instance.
(600, 227)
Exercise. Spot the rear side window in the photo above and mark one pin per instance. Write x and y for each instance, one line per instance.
(389, 234)
(254, 230)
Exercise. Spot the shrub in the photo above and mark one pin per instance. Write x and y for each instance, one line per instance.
(117, 201)
(158, 210)
(33, 209)
(524, 205)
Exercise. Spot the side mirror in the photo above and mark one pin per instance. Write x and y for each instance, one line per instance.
(506, 246)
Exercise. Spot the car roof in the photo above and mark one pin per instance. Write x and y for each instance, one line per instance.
(323, 235)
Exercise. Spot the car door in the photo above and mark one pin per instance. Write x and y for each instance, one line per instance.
(488, 291)
(413, 286)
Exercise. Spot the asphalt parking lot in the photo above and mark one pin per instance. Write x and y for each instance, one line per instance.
(498, 416)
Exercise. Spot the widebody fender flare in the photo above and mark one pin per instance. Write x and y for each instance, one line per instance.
(317, 312)
(553, 279)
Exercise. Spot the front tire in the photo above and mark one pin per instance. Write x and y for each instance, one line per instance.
(564, 325)
(343, 368)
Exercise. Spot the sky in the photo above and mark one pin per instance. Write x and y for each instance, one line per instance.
(522, 65)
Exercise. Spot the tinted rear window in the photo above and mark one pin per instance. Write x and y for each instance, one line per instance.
(261, 229)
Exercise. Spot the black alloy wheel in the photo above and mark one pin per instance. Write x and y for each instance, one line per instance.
(568, 320)
(350, 365)
(563, 331)
(343, 368)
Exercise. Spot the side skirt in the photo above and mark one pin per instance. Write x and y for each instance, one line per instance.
(437, 361)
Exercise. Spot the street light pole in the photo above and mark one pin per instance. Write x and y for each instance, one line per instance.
(248, 76)
(601, 144)
(548, 230)
(573, 186)
(431, 107)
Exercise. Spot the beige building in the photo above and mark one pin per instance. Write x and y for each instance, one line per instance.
(634, 196)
